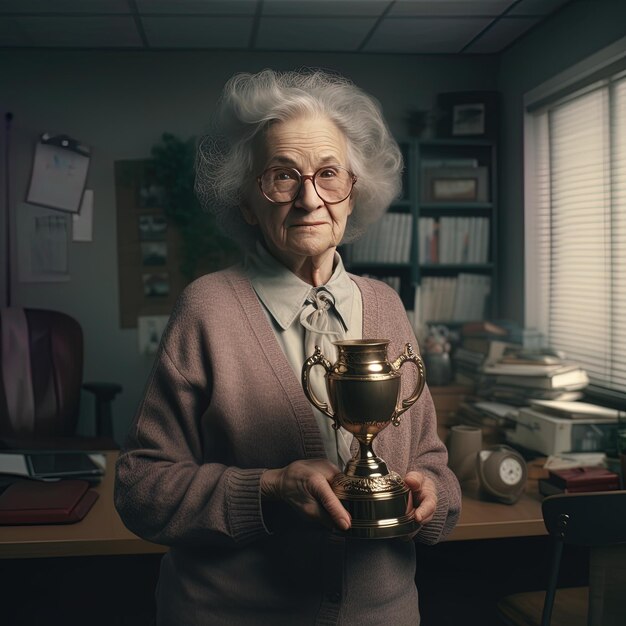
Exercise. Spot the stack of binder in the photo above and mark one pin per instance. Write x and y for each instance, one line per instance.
(578, 480)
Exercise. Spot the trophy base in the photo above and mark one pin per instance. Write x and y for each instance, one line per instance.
(379, 505)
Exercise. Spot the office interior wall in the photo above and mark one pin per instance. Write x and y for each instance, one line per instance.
(120, 103)
(571, 35)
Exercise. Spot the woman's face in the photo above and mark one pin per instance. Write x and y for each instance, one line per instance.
(307, 226)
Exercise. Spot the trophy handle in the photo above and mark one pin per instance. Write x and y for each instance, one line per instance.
(316, 359)
(409, 355)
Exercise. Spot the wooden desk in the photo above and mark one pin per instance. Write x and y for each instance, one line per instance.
(491, 520)
(100, 533)
(103, 533)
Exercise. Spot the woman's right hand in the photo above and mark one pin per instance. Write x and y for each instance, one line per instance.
(305, 486)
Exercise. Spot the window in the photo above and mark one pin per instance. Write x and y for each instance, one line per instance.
(576, 228)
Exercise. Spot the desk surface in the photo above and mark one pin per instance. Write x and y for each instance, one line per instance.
(102, 531)
(492, 520)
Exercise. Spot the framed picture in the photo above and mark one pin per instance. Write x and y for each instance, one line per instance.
(468, 114)
(448, 184)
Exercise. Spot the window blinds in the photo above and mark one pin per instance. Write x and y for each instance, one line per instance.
(579, 223)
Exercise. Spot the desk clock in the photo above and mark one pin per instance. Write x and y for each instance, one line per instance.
(502, 473)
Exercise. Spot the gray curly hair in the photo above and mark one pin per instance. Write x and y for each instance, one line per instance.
(249, 102)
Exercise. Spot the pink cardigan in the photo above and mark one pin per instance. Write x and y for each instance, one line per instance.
(221, 405)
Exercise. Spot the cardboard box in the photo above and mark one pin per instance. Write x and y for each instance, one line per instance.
(447, 400)
(554, 435)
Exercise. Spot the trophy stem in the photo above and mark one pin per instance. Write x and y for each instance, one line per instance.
(365, 463)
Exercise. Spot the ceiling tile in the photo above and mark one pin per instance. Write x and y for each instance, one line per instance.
(537, 7)
(64, 6)
(502, 33)
(10, 34)
(80, 32)
(197, 7)
(310, 33)
(323, 8)
(451, 8)
(198, 32)
(425, 35)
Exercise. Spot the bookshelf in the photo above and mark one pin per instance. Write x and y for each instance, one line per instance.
(437, 244)
(386, 251)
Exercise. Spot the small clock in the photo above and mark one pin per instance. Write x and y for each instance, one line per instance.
(502, 473)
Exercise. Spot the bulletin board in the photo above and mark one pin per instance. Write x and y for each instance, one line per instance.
(148, 246)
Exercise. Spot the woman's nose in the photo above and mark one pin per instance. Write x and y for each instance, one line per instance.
(307, 198)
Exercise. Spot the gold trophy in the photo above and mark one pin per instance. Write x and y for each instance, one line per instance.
(364, 393)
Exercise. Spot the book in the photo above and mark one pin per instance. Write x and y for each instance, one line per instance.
(583, 478)
(566, 376)
(39, 502)
(483, 328)
(574, 410)
(546, 488)
(521, 396)
(535, 358)
(526, 369)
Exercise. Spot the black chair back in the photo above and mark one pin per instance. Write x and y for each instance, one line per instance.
(585, 519)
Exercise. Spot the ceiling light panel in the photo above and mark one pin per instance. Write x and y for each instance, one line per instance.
(198, 32)
(425, 35)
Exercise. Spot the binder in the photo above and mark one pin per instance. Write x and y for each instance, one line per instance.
(38, 502)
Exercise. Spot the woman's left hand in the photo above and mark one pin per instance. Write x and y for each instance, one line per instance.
(424, 495)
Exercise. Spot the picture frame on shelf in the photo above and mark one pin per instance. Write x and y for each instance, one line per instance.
(468, 114)
(447, 184)
(454, 189)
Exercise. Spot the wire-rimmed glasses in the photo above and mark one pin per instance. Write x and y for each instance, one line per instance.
(281, 185)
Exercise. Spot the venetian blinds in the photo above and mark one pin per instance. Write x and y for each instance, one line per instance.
(579, 229)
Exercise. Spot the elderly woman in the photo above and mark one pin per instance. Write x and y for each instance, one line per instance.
(227, 462)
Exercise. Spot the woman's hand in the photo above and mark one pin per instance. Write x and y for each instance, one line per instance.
(305, 486)
(424, 495)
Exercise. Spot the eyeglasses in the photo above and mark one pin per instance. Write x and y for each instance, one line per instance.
(281, 185)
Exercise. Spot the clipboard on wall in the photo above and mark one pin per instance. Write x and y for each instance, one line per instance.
(59, 174)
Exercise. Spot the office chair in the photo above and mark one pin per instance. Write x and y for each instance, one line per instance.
(596, 520)
(41, 370)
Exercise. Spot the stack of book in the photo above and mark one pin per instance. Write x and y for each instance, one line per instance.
(520, 377)
(578, 480)
(480, 342)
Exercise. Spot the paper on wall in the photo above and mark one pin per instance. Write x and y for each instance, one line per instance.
(82, 222)
(42, 244)
(59, 173)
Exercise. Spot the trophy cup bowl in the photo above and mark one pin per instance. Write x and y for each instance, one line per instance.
(364, 398)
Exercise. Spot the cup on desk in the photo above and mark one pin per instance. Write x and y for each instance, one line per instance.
(464, 443)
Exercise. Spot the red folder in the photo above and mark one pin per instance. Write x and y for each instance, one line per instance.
(584, 479)
(38, 502)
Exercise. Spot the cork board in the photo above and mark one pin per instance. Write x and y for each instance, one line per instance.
(148, 246)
